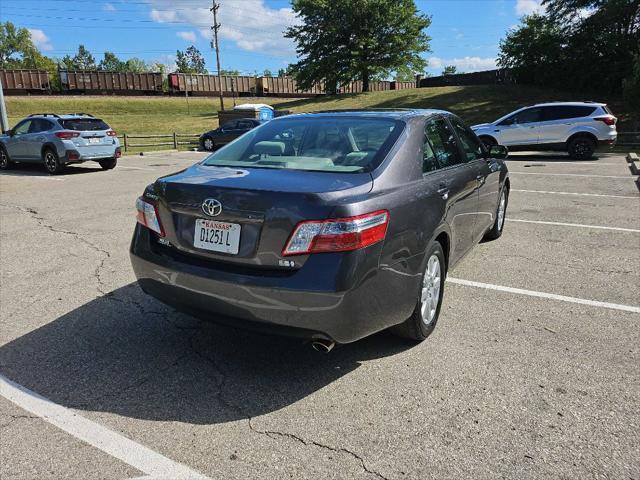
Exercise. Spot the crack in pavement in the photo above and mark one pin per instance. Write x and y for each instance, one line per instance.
(221, 379)
(43, 223)
(17, 417)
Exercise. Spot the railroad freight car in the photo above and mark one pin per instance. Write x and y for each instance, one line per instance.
(201, 85)
(25, 81)
(116, 83)
(285, 87)
(356, 86)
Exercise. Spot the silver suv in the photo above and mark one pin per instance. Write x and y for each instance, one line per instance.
(578, 128)
(58, 140)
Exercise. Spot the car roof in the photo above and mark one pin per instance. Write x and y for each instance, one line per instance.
(392, 113)
(570, 104)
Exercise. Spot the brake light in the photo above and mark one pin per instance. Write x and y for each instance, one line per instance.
(147, 215)
(111, 133)
(337, 234)
(609, 120)
(64, 135)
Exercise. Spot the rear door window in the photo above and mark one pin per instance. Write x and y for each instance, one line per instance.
(530, 115)
(39, 125)
(442, 140)
(562, 112)
(83, 124)
(469, 142)
(230, 125)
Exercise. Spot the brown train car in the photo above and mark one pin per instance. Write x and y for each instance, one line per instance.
(111, 82)
(397, 85)
(285, 87)
(356, 86)
(25, 81)
(201, 85)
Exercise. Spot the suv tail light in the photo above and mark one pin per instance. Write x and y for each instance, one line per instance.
(147, 215)
(111, 133)
(338, 234)
(65, 135)
(609, 120)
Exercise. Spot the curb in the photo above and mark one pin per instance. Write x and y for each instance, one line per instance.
(634, 163)
(632, 157)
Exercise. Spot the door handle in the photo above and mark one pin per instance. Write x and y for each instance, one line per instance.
(497, 131)
(444, 192)
(40, 139)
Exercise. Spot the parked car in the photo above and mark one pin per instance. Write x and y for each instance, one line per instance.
(578, 128)
(59, 140)
(330, 226)
(227, 133)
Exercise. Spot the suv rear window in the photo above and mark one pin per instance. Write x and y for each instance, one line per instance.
(323, 144)
(566, 111)
(83, 124)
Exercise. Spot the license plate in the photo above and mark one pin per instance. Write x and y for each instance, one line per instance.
(94, 140)
(217, 236)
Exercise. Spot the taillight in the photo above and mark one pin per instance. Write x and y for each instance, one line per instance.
(609, 120)
(64, 135)
(111, 133)
(338, 234)
(147, 215)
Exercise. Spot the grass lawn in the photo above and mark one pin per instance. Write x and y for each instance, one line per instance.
(160, 115)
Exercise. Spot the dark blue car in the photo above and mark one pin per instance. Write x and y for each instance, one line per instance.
(330, 226)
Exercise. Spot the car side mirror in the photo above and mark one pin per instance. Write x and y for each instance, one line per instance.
(498, 151)
(8, 132)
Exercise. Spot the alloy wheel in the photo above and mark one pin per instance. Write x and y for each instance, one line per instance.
(50, 161)
(4, 161)
(208, 144)
(430, 295)
(501, 211)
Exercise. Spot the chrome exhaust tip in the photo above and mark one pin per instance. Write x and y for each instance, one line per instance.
(323, 346)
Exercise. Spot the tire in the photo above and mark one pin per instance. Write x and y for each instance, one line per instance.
(501, 213)
(5, 161)
(208, 144)
(108, 164)
(581, 148)
(52, 161)
(488, 141)
(424, 318)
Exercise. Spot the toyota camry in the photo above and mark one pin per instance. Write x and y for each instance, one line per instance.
(329, 226)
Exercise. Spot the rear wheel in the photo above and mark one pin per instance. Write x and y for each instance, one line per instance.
(581, 148)
(207, 144)
(5, 161)
(425, 315)
(108, 163)
(52, 162)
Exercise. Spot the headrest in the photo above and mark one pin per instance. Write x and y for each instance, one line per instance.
(269, 148)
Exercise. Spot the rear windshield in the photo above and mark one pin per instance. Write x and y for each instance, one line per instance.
(91, 124)
(346, 144)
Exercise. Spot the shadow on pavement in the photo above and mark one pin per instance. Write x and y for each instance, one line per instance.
(547, 157)
(127, 354)
(37, 170)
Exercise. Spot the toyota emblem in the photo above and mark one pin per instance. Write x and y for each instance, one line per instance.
(212, 207)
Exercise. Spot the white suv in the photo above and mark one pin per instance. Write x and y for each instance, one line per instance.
(574, 127)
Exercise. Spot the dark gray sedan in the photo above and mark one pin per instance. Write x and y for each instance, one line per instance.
(330, 226)
(227, 133)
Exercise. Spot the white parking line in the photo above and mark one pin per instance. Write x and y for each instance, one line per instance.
(636, 197)
(548, 163)
(37, 177)
(578, 225)
(138, 456)
(551, 296)
(133, 168)
(571, 175)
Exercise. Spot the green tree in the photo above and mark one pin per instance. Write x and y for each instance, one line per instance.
(190, 61)
(231, 73)
(136, 65)
(631, 86)
(83, 60)
(343, 40)
(406, 74)
(16, 47)
(267, 73)
(111, 63)
(449, 70)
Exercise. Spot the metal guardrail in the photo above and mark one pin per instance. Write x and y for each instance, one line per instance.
(174, 140)
(629, 139)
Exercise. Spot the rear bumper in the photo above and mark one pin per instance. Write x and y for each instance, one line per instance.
(332, 296)
(73, 156)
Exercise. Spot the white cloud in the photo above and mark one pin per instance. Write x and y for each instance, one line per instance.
(40, 40)
(108, 7)
(187, 36)
(466, 64)
(250, 24)
(527, 7)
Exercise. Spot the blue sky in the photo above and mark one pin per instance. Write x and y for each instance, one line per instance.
(464, 33)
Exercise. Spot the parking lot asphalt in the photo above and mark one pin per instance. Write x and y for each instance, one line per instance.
(532, 372)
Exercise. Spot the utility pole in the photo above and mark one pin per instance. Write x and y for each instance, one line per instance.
(215, 28)
(4, 123)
